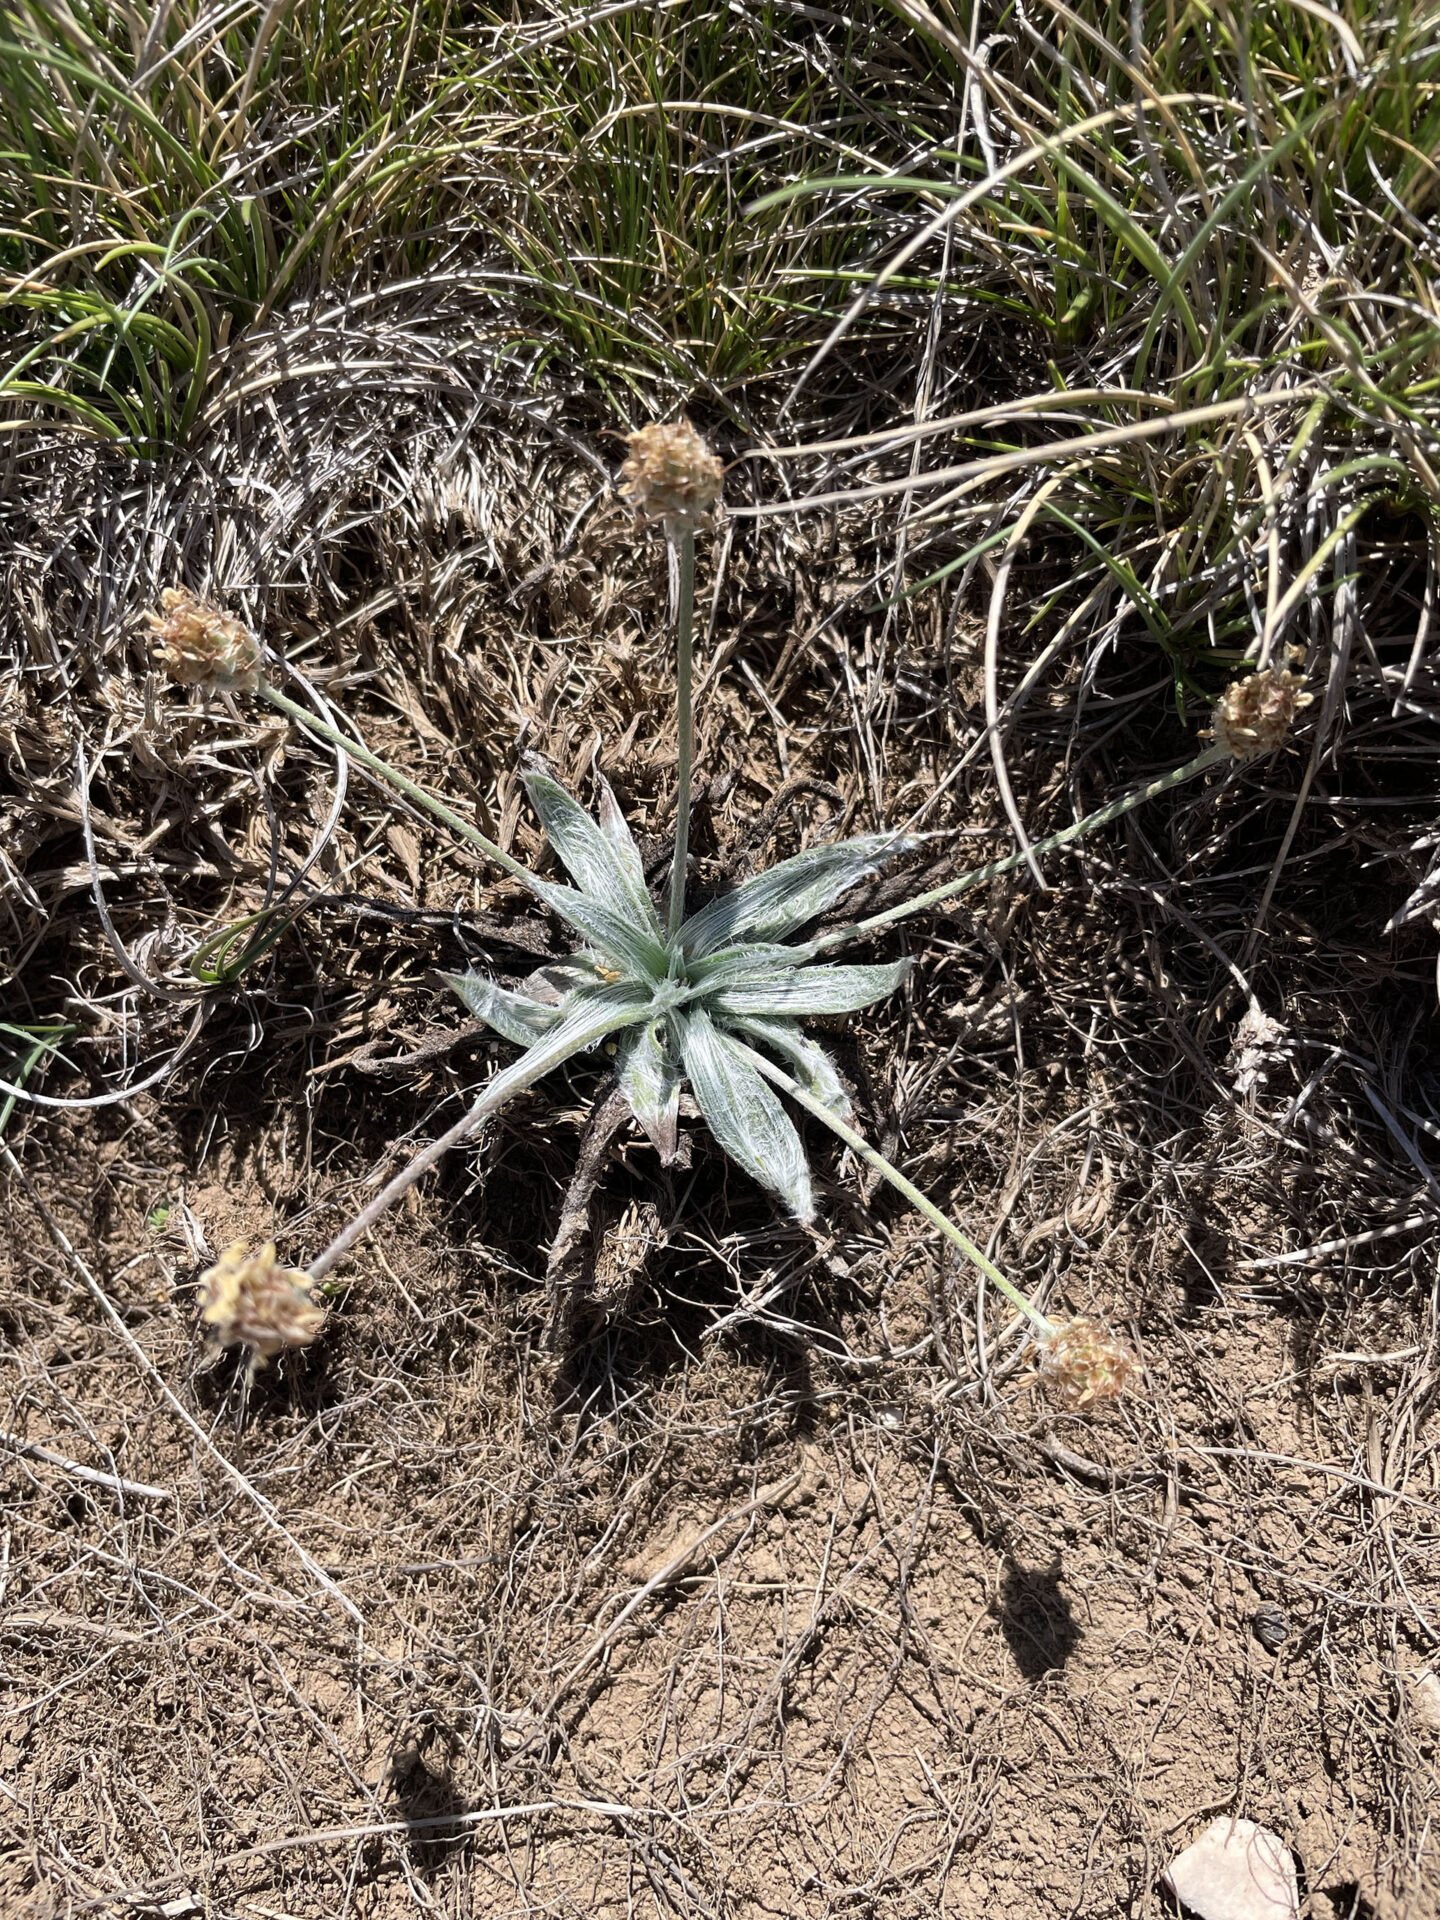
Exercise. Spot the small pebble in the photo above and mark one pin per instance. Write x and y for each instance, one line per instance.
(1422, 1693)
(1272, 1627)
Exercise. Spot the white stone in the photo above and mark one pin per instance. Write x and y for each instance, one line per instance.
(1236, 1870)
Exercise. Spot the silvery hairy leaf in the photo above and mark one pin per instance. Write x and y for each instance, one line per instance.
(591, 1016)
(604, 868)
(811, 1065)
(650, 1082)
(515, 1015)
(743, 1114)
(776, 902)
(616, 829)
(739, 965)
(810, 990)
(553, 984)
(618, 939)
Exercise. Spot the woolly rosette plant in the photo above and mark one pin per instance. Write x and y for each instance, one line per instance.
(689, 1006)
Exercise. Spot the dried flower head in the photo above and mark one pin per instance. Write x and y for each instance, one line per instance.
(671, 474)
(1253, 716)
(1081, 1361)
(251, 1300)
(202, 647)
(1259, 1045)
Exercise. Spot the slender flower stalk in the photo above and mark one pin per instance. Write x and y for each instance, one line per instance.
(363, 757)
(1066, 836)
(684, 549)
(1081, 1361)
(529, 1068)
(1252, 718)
(863, 1150)
(672, 477)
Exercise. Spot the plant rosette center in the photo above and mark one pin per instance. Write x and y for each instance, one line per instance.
(690, 1006)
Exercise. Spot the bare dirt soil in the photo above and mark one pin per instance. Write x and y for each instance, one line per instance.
(741, 1569)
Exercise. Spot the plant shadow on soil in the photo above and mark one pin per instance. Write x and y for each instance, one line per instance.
(609, 1348)
(607, 1345)
(1036, 1619)
(424, 1793)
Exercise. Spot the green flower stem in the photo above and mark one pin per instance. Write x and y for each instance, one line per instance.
(363, 757)
(684, 622)
(1112, 810)
(859, 1145)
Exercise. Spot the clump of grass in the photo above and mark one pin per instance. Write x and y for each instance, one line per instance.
(642, 141)
(1215, 231)
(177, 175)
(175, 172)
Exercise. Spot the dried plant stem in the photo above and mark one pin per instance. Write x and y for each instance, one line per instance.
(1077, 830)
(861, 1147)
(374, 764)
(396, 1188)
(684, 549)
(500, 1090)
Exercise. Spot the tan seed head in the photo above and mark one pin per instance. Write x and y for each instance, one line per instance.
(199, 646)
(671, 474)
(1253, 716)
(1082, 1362)
(252, 1301)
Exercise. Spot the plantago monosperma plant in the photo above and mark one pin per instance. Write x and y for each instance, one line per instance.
(715, 998)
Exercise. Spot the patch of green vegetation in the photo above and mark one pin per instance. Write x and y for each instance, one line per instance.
(1217, 228)
(1198, 245)
(174, 175)
(23, 1050)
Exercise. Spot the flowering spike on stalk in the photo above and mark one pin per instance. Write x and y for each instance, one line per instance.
(251, 1300)
(1082, 1362)
(672, 474)
(201, 646)
(1253, 716)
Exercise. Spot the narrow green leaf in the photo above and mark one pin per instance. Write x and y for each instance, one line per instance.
(589, 1018)
(616, 829)
(633, 949)
(518, 1017)
(743, 1114)
(810, 990)
(739, 965)
(786, 896)
(812, 1066)
(1173, 281)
